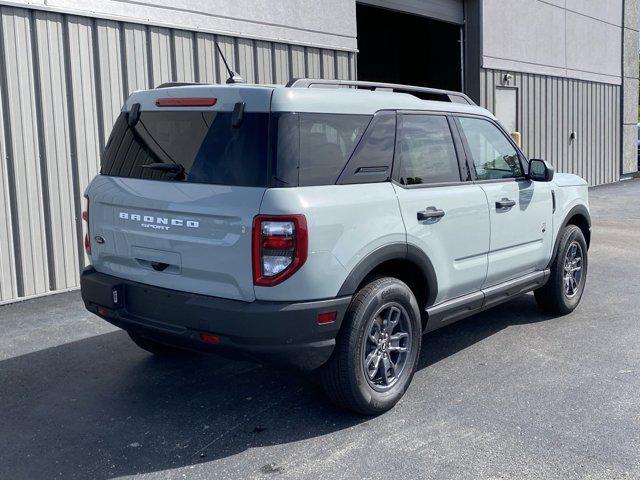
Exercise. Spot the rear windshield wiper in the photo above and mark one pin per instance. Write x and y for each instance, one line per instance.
(175, 170)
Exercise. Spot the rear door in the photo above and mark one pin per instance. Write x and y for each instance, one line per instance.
(521, 210)
(178, 190)
(445, 214)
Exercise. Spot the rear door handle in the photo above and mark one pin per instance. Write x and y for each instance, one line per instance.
(505, 203)
(430, 214)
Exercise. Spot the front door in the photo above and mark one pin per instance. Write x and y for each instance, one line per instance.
(521, 210)
(444, 216)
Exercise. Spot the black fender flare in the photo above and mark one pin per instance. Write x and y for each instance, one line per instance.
(392, 251)
(575, 210)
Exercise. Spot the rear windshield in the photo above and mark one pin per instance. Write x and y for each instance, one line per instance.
(205, 146)
(298, 149)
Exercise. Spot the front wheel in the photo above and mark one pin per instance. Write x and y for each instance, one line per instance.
(377, 349)
(563, 291)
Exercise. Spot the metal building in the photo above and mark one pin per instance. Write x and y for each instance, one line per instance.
(562, 72)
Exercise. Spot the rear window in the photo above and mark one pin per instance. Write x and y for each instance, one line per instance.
(204, 143)
(313, 148)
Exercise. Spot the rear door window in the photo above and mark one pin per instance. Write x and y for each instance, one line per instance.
(203, 143)
(425, 151)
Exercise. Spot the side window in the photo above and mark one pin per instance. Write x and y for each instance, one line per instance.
(493, 155)
(326, 143)
(372, 159)
(425, 150)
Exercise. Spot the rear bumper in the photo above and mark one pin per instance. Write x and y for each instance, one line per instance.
(283, 332)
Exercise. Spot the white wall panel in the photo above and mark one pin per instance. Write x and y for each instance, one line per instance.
(298, 62)
(281, 62)
(246, 61)
(342, 63)
(207, 65)
(328, 64)
(569, 38)
(135, 54)
(21, 117)
(58, 192)
(264, 62)
(111, 72)
(326, 23)
(8, 285)
(184, 56)
(161, 55)
(83, 93)
(313, 63)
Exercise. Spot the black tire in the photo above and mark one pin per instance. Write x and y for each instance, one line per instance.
(344, 378)
(154, 347)
(553, 297)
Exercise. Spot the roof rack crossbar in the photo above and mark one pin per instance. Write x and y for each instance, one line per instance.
(452, 96)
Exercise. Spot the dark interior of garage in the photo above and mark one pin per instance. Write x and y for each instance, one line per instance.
(402, 48)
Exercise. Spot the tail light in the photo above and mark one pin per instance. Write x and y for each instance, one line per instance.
(85, 219)
(279, 247)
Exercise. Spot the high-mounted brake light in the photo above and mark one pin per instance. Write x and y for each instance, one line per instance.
(85, 218)
(186, 102)
(280, 246)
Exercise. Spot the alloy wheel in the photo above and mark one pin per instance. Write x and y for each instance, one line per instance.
(386, 346)
(573, 269)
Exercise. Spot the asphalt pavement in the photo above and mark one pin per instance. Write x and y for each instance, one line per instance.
(510, 393)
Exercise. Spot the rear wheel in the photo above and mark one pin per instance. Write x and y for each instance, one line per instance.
(377, 349)
(154, 347)
(563, 291)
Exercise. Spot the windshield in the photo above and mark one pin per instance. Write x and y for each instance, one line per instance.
(192, 146)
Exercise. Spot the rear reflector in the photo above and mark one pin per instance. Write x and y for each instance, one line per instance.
(328, 317)
(186, 102)
(277, 243)
(103, 312)
(209, 338)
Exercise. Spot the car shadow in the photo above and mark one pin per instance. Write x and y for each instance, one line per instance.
(101, 408)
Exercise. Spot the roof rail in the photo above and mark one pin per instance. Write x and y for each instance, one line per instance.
(424, 93)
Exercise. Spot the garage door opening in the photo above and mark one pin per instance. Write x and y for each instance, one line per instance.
(402, 48)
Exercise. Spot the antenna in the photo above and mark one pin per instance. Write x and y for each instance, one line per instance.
(234, 77)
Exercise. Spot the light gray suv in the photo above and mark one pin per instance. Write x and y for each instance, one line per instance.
(324, 224)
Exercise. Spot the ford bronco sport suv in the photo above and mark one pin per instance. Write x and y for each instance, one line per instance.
(326, 224)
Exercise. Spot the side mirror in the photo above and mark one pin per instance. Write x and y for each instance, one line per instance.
(540, 171)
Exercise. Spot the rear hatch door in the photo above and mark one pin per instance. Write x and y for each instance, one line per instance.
(182, 177)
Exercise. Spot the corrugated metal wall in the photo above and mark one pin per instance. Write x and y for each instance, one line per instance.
(550, 108)
(63, 80)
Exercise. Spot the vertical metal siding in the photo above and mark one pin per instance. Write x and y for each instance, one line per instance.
(550, 108)
(206, 61)
(184, 56)
(135, 56)
(63, 79)
(160, 42)
(59, 192)
(30, 243)
(8, 282)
